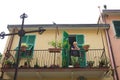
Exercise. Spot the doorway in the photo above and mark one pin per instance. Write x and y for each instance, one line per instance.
(71, 38)
(79, 38)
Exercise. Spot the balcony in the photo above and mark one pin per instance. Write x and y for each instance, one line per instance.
(49, 65)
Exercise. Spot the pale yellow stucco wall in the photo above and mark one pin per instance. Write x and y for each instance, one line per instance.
(91, 37)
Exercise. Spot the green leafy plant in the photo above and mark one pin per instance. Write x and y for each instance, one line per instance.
(59, 44)
(103, 63)
(55, 44)
(0, 56)
(36, 65)
(27, 63)
(8, 63)
(90, 63)
(64, 63)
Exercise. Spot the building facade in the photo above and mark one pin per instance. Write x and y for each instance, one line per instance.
(112, 17)
(38, 63)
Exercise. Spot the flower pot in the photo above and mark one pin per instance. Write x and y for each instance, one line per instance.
(23, 48)
(54, 50)
(86, 47)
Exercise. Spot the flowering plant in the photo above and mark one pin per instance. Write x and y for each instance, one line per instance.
(24, 46)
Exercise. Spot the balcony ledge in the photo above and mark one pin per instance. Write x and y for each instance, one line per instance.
(54, 69)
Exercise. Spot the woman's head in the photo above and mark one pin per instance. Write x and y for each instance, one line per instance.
(74, 43)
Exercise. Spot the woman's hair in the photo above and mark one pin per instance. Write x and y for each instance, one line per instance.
(74, 43)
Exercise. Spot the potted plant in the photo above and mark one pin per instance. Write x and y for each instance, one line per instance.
(86, 47)
(0, 56)
(8, 64)
(103, 63)
(56, 46)
(64, 63)
(90, 63)
(23, 47)
(36, 65)
(54, 66)
(27, 63)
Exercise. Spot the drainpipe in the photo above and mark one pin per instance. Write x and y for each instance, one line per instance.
(112, 56)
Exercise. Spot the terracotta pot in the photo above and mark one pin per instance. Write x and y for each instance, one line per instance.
(23, 48)
(54, 50)
(86, 47)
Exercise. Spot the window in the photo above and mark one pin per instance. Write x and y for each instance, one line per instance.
(117, 27)
(29, 40)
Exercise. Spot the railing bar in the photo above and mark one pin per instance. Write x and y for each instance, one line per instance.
(47, 58)
(40, 59)
(44, 58)
(50, 59)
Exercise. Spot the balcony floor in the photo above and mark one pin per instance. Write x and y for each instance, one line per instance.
(57, 72)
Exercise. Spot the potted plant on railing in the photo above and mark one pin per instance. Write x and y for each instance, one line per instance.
(56, 46)
(86, 47)
(90, 63)
(23, 47)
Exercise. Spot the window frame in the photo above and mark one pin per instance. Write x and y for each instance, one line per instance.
(114, 28)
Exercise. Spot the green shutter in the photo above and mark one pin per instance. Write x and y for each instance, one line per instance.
(80, 41)
(65, 50)
(117, 27)
(29, 40)
(82, 59)
(24, 39)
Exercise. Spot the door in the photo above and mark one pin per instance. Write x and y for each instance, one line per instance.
(72, 38)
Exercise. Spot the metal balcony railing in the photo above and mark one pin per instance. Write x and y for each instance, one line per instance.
(44, 58)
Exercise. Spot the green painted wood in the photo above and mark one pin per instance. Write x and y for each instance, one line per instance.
(80, 41)
(117, 28)
(30, 41)
(65, 50)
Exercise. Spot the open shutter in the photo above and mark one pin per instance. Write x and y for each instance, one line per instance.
(80, 41)
(29, 40)
(24, 39)
(65, 50)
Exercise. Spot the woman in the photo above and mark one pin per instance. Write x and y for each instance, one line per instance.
(75, 53)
